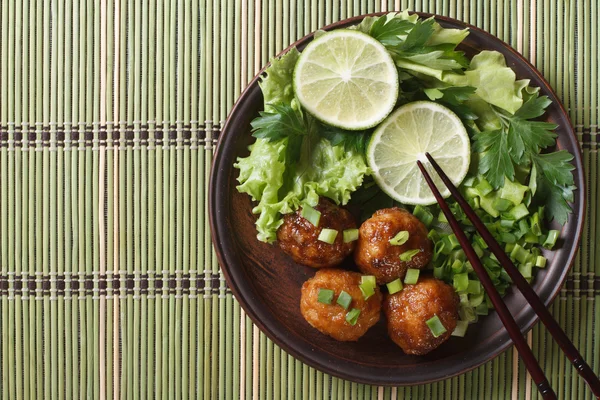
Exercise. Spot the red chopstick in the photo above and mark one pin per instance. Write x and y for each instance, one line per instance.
(532, 298)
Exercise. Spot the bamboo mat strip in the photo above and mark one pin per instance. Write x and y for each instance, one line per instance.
(110, 111)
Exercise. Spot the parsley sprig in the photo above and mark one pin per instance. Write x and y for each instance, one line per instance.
(519, 142)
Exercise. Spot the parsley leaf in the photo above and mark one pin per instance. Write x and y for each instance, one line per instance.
(352, 140)
(284, 121)
(519, 143)
(387, 30)
(418, 36)
(495, 162)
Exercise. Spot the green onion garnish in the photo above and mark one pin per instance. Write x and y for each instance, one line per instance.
(370, 279)
(501, 204)
(474, 287)
(461, 282)
(435, 326)
(367, 286)
(352, 316)
(408, 255)
(450, 242)
(325, 296)
(481, 309)
(313, 216)
(461, 328)
(412, 276)
(483, 187)
(518, 212)
(513, 191)
(344, 300)
(328, 235)
(540, 261)
(464, 298)
(535, 224)
(394, 286)
(551, 239)
(519, 253)
(467, 313)
(476, 299)
(350, 235)
(478, 250)
(525, 270)
(423, 215)
(400, 238)
(457, 266)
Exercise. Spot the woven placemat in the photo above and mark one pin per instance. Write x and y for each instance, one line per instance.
(109, 113)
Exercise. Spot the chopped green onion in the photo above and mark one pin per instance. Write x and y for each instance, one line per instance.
(525, 270)
(442, 217)
(481, 309)
(457, 266)
(313, 216)
(536, 229)
(464, 298)
(476, 299)
(344, 299)
(530, 237)
(350, 235)
(367, 286)
(328, 235)
(479, 240)
(461, 282)
(400, 238)
(502, 204)
(551, 239)
(507, 223)
(478, 250)
(409, 254)
(438, 249)
(518, 212)
(487, 204)
(412, 276)
(435, 326)
(367, 290)
(540, 261)
(519, 253)
(423, 215)
(394, 286)
(325, 296)
(352, 316)
(451, 242)
(467, 313)
(433, 235)
(483, 187)
(509, 247)
(513, 191)
(461, 328)
(368, 279)
(474, 287)
(468, 266)
(438, 272)
(507, 237)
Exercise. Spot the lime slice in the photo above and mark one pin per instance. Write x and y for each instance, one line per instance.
(346, 79)
(404, 137)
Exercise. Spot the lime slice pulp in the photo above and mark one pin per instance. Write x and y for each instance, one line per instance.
(346, 79)
(404, 137)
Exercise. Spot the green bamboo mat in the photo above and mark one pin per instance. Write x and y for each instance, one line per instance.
(109, 113)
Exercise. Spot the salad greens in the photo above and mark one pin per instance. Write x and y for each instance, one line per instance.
(514, 183)
(291, 163)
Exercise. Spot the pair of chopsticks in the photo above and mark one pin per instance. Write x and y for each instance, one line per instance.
(532, 298)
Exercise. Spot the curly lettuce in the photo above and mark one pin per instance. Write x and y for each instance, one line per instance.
(283, 172)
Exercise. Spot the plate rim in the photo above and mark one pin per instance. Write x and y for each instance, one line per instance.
(330, 369)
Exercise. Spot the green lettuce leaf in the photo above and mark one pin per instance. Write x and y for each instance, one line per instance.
(323, 170)
(495, 82)
(276, 84)
(287, 167)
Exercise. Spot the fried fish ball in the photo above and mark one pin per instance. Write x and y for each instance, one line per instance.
(408, 311)
(299, 238)
(374, 253)
(330, 319)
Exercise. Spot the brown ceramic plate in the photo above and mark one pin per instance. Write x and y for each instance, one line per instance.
(267, 283)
